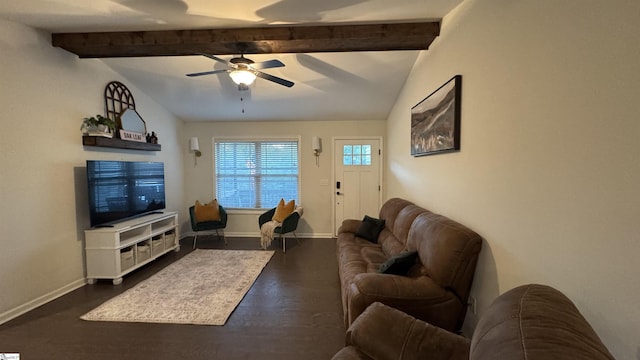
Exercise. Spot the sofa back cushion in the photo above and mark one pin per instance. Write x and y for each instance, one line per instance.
(447, 250)
(394, 239)
(535, 322)
(390, 209)
(389, 212)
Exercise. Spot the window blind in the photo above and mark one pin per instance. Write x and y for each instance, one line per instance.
(256, 173)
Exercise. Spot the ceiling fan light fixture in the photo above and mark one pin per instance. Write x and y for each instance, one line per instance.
(242, 76)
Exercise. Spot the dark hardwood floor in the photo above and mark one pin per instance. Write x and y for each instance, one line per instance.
(292, 311)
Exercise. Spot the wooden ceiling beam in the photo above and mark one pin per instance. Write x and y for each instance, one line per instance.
(266, 40)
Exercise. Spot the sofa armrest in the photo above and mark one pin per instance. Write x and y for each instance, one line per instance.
(418, 296)
(350, 353)
(349, 226)
(382, 332)
(396, 286)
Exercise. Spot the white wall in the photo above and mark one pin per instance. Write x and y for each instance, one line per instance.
(548, 171)
(315, 197)
(45, 94)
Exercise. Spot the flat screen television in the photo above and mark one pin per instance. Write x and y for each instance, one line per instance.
(119, 190)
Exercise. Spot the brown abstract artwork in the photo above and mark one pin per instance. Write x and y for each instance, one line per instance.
(435, 121)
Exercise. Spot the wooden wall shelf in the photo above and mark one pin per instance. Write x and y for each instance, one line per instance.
(119, 143)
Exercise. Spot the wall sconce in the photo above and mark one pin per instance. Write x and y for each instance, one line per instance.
(195, 147)
(316, 144)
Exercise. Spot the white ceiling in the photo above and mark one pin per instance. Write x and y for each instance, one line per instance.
(328, 86)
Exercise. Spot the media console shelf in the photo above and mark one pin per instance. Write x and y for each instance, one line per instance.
(113, 252)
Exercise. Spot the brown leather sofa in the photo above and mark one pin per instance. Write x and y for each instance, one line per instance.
(533, 322)
(435, 288)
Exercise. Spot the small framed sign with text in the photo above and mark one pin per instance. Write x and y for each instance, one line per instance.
(132, 135)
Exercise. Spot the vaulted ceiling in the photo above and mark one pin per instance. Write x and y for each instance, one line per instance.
(348, 58)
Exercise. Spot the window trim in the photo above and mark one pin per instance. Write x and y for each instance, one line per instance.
(235, 210)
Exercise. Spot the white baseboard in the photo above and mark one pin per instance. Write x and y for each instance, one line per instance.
(257, 234)
(24, 308)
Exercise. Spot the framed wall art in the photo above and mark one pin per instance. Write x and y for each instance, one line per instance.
(435, 121)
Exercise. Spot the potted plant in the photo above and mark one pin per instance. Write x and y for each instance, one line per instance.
(98, 125)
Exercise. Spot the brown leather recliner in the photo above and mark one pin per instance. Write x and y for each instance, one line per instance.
(533, 322)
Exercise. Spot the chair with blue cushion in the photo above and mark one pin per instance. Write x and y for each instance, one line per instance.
(208, 225)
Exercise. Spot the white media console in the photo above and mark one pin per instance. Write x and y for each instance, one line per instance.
(114, 251)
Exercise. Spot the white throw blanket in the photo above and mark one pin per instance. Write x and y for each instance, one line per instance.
(266, 233)
(267, 230)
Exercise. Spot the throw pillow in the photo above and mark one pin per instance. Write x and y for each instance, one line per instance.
(283, 210)
(399, 264)
(370, 228)
(207, 212)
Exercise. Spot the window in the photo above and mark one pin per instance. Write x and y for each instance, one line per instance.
(356, 155)
(256, 174)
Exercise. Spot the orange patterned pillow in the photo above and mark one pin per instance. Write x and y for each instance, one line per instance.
(207, 212)
(283, 210)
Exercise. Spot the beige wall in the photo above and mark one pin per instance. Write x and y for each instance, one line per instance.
(548, 172)
(315, 197)
(45, 94)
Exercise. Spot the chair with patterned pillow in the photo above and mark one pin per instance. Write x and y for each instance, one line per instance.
(208, 217)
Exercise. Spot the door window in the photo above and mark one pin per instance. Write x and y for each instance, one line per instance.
(356, 155)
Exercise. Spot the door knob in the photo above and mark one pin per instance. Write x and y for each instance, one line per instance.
(338, 193)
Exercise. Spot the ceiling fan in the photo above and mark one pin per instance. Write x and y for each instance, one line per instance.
(244, 71)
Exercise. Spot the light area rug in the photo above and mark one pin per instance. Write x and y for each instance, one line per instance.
(203, 287)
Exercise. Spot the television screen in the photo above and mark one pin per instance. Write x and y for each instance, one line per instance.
(123, 189)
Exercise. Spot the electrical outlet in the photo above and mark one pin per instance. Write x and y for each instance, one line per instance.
(472, 305)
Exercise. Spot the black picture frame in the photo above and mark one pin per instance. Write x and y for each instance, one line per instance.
(435, 121)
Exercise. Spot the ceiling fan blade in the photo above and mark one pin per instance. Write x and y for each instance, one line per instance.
(267, 64)
(275, 79)
(213, 57)
(207, 73)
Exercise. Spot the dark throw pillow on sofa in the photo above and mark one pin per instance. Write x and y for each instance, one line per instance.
(399, 264)
(370, 228)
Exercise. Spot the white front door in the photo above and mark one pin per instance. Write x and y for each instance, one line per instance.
(357, 180)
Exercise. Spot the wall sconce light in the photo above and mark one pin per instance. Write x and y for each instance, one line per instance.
(195, 147)
(316, 144)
